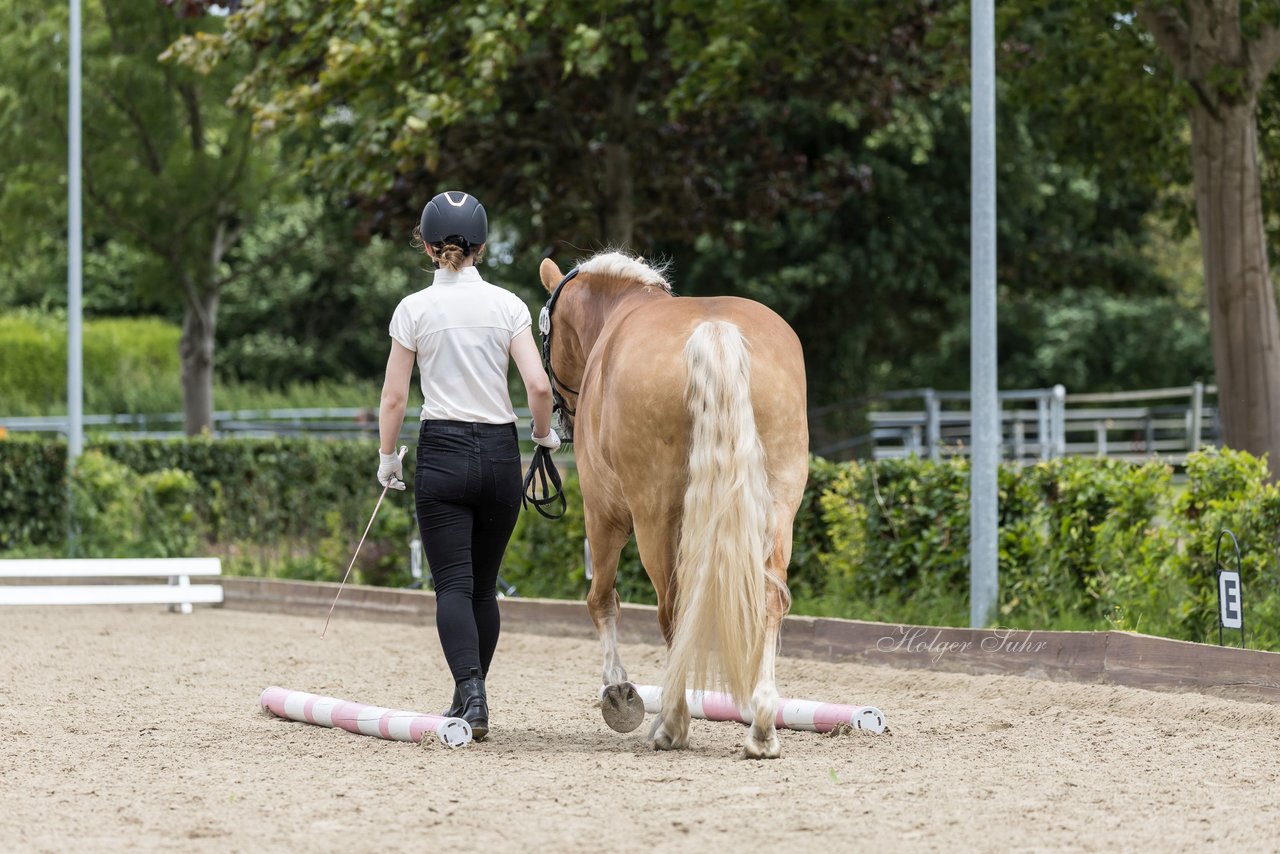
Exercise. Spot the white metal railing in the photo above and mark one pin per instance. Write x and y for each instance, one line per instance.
(333, 422)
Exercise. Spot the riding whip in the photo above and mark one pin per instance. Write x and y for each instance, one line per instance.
(403, 448)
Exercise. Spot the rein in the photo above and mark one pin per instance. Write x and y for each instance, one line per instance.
(559, 405)
(542, 472)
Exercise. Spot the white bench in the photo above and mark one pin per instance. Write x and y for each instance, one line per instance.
(179, 591)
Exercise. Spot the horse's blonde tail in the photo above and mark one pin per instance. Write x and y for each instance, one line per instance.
(725, 537)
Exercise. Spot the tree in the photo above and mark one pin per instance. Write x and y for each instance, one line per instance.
(1225, 50)
(169, 170)
(616, 122)
(1128, 80)
(877, 287)
(314, 305)
(810, 155)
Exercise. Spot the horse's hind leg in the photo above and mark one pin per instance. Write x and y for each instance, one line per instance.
(671, 727)
(620, 704)
(762, 738)
(654, 536)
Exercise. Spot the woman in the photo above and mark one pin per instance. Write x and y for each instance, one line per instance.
(463, 333)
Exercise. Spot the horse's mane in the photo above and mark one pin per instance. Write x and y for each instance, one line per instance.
(619, 265)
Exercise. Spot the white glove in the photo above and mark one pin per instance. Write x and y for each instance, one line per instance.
(551, 441)
(390, 470)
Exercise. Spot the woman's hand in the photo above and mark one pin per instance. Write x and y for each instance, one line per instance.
(390, 470)
(551, 441)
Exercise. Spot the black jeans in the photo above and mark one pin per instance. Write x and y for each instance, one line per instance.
(467, 488)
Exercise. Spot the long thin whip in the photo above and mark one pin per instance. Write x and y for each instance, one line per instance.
(403, 448)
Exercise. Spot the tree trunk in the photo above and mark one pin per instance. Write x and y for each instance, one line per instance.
(1226, 68)
(618, 210)
(1242, 301)
(199, 322)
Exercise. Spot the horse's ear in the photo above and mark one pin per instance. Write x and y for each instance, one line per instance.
(550, 274)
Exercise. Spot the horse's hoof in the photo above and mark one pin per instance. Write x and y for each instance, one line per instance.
(622, 707)
(762, 748)
(663, 741)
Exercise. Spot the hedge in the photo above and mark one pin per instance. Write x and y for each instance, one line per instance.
(130, 364)
(1084, 543)
(288, 506)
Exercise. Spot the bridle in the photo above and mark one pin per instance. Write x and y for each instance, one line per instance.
(542, 469)
(559, 406)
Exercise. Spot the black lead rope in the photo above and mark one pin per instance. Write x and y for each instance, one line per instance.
(543, 475)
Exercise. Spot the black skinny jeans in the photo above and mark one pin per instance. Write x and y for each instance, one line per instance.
(467, 489)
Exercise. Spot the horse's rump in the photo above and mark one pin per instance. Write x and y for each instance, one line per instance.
(640, 372)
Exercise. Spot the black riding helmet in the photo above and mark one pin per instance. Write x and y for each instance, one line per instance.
(454, 214)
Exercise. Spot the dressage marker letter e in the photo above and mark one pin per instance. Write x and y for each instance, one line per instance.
(1229, 599)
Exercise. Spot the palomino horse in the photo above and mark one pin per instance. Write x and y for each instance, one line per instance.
(689, 423)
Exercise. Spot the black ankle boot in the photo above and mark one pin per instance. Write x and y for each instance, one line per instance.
(455, 711)
(475, 706)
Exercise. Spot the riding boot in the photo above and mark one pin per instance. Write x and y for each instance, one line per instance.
(455, 710)
(475, 705)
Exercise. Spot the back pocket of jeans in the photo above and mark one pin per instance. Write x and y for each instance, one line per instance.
(506, 474)
(442, 476)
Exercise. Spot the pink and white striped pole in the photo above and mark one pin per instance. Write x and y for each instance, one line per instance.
(360, 719)
(807, 715)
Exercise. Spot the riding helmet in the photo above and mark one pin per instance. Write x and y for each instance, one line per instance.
(454, 214)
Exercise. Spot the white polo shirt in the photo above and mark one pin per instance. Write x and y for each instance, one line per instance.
(461, 327)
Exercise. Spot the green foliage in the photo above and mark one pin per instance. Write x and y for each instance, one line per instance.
(171, 174)
(1100, 341)
(33, 492)
(381, 560)
(1115, 107)
(1084, 543)
(118, 512)
(686, 89)
(896, 525)
(263, 490)
(1097, 517)
(312, 305)
(868, 278)
(1230, 490)
(811, 536)
(546, 557)
(167, 164)
(130, 365)
(812, 157)
(320, 394)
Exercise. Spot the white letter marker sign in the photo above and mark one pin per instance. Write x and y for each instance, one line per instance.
(1229, 605)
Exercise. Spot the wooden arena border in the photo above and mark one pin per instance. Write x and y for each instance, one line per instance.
(1114, 658)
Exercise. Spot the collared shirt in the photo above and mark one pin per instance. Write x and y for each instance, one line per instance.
(462, 327)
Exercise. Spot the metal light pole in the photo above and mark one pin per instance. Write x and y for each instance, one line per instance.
(75, 239)
(985, 460)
